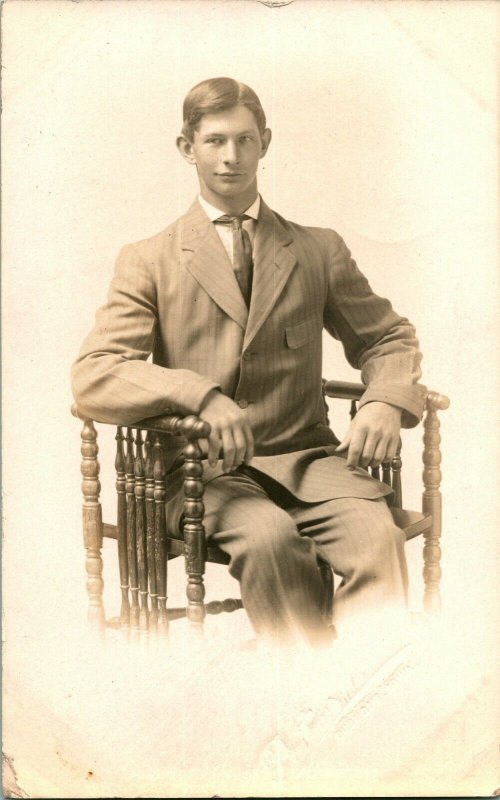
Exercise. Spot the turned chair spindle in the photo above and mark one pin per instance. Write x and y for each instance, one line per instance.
(194, 534)
(396, 466)
(121, 528)
(141, 533)
(150, 534)
(131, 533)
(92, 525)
(432, 501)
(386, 472)
(159, 473)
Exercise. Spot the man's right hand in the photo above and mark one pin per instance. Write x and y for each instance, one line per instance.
(231, 432)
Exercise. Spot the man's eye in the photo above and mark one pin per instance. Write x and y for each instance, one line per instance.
(214, 141)
(247, 138)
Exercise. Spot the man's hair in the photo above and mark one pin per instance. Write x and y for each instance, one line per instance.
(215, 95)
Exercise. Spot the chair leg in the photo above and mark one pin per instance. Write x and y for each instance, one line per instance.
(431, 501)
(194, 535)
(92, 526)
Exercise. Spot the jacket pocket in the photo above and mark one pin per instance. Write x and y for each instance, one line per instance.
(302, 333)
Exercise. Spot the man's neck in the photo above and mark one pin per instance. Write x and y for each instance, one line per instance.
(230, 205)
(213, 213)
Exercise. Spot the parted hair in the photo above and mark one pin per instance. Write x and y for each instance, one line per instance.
(215, 95)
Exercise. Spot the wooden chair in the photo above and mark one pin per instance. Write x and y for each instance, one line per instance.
(144, 548)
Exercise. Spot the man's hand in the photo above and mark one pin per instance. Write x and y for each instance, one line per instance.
(231, 432)
(373, 435)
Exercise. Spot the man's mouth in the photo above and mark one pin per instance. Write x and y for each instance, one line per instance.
(229, 174)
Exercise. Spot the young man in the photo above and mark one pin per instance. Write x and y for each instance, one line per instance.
(231, 300)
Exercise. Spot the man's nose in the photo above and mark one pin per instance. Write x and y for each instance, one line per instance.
(231, 153)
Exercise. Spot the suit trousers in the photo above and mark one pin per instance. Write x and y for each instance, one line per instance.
(273, 540)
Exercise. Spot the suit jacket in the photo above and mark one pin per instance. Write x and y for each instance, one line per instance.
(175, 296)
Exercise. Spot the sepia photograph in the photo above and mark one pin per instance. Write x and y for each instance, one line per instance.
(250, 275)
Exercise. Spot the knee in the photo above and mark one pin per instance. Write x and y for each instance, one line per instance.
(271, 534)
(270, 540)
(384, 547)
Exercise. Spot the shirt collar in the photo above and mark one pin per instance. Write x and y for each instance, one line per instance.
(214, 213)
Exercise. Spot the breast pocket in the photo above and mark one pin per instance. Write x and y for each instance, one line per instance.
(303, 332)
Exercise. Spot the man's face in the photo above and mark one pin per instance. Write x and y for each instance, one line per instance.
(226, 150)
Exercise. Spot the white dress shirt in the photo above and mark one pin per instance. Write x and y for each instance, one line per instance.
(225, 231)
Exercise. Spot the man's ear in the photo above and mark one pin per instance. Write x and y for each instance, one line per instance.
(185, 148)
(265, 142)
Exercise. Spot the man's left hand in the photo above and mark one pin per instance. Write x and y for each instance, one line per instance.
(373, 435)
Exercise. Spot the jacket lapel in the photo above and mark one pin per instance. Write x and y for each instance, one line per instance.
(205, 258)
(273, 263)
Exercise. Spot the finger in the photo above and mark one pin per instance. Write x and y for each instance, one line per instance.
(249, 444)
(355, 450)
(380, 453)
(229, 450)
(392, 449)
(240, 443)
(344, 443)
(369, 447)
(214, 446)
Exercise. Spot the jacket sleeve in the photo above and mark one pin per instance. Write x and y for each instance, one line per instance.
(112, 379)
(376, 340)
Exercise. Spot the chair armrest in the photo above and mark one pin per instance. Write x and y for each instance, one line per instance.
(190, 426)
(344, 390)
(436, 402)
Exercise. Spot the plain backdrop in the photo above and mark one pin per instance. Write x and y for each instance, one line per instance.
(384, 122)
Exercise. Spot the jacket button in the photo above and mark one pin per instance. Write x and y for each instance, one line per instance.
(246, 356)
(243, 403)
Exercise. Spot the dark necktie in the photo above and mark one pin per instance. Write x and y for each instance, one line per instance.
(242, 253)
